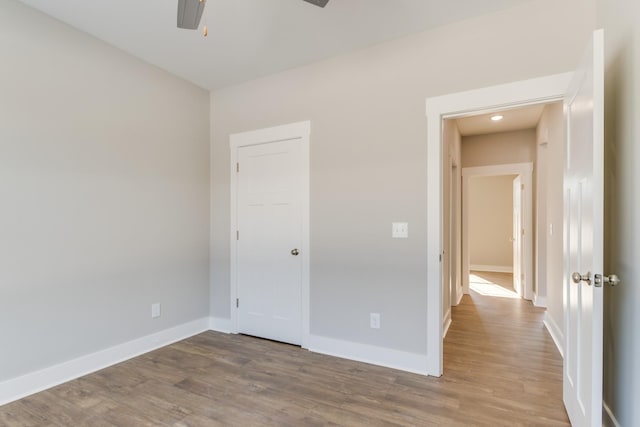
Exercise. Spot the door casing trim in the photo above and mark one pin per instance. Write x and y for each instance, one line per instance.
(294, 131)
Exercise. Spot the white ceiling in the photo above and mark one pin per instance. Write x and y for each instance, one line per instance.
(253, 38)
(514, 119)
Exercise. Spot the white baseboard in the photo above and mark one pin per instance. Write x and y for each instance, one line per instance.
(460, 295)
(608, 419)
(37, 381)
(219, 324)
(446, 323)
(405, 361)
(539, 301)
(492, 268)
(555, 332)
(34, 382)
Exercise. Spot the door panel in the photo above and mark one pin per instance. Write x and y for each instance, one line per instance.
(583, 184)
(269, 275)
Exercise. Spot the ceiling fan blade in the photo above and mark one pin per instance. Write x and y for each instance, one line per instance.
(189, 13)
(321, 3)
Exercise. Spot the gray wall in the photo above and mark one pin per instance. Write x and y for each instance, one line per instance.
(540, 202)
(549, 204)
(104, 194)
(368, 156)
(621, 22)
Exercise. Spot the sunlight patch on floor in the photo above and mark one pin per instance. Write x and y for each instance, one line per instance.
(489, 289)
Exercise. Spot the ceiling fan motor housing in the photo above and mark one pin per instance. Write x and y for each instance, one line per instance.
(190, 12)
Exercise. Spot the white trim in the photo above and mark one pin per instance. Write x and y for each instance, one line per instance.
(492, 268)
(374, 355)
(609, 420)
(446, 322)
(540, 301)
(511, 95)
(219, 324)
(298, 131)
(554, 331)
(525, 171)
(37, 381)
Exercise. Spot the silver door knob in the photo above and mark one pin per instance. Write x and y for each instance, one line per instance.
(295, 252)
(612, 280)
(577, 278)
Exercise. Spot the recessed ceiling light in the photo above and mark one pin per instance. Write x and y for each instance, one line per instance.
(497, 118)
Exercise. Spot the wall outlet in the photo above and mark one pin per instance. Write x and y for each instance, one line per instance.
(374, 320)
(155, 310)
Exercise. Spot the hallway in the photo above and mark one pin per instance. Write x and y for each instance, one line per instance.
(499, 347)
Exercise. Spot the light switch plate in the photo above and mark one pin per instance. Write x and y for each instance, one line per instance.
(374, 320)
(155, 310)
(400, 230)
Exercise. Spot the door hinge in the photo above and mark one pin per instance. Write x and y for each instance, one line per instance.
(237, 302)
(237, 234)
(238, 167)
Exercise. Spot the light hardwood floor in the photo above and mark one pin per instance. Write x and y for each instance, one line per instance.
(501, 369)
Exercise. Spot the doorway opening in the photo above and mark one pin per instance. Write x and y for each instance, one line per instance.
(444, 160)
(494, 221)
(498, 221)
(499, 218)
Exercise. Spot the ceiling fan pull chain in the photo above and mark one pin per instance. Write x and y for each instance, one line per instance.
(205, 31)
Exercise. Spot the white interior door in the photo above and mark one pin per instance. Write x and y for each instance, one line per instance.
(517, 235)
(583, 251)
(269, 258)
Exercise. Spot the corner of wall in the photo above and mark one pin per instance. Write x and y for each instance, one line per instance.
(366, 353)
(608, 419)
(34, 382)
(219, 324)
(539, 301)
(555, 332)
(446, 323)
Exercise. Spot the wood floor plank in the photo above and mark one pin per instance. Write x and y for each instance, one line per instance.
(501, 369)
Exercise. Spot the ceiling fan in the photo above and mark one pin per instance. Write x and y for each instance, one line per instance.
(190, 12)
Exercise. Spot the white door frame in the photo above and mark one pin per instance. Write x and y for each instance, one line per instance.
(524, 170)
(295, 131)
(528, 92)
